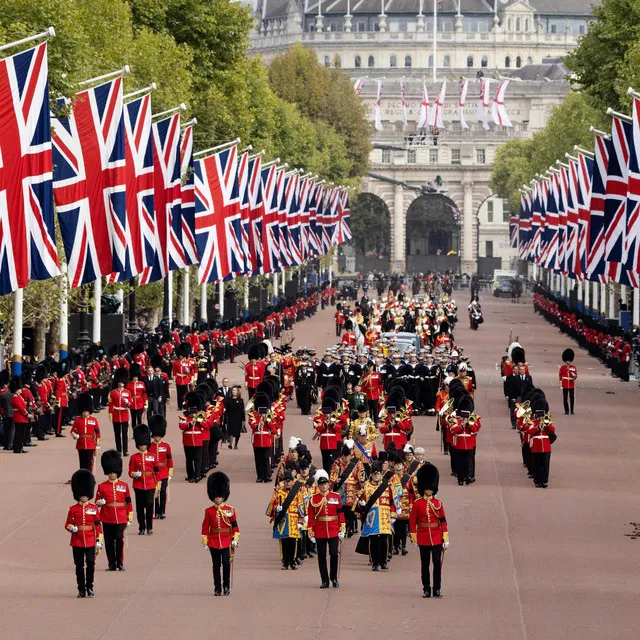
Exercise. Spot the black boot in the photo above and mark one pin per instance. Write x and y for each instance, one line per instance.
(426, 593)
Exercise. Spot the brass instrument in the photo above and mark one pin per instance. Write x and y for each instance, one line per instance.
(546, 420)
(451, 418)
(523, 408)
(473, 419)
(447, 407)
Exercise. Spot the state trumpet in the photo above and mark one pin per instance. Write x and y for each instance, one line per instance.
(473, 419)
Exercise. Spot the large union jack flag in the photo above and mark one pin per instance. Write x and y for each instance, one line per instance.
(550, 232)
(292, 197)
(631, 248)
(585, 177)
(90, 183)
(524, 227)
(314, 232)
(245, 211)
(187, 213)
(27, 245)
(256, 213)
(596, 264)
(283, 189)
(272, 177)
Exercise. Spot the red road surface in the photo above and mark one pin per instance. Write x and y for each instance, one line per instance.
(524, 563)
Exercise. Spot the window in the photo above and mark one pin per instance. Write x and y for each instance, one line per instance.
(403, 25)
(469, 61)
(484, 63)
(411, 156)
(517, 24)
(518, 62)
(386, 156)
(455, 156)
(529, 60)
(490, 211)
(488, 248)
(430, 62)
(407, 62)
(507, 62)
(357, 62)
(526, 24)
(553, 28)
(376, 26)
(433, 156)
(393, 61)
(509, 24)
(506, 215)
(581, 29)
(327, 61)
(337, 61)
(371, 62)
(446, 63)
(333, 26)
(481, 156)
(362, 26)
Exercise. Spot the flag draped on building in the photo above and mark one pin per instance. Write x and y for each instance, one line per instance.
(437, 110)
(27, 241)
(377, 116)
(424, 107)
(499, 110)
(90, 178)
(482, 112)
(464, 87)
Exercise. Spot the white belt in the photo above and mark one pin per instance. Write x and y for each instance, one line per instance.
(193, 433)
(262, 433)
(464, 435)
(327, 435)
(392, 433)
(535, 437)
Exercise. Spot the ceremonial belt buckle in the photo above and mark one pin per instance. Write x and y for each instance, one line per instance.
(428, 525)
(327, 518)
(228, 530)
(85, 527)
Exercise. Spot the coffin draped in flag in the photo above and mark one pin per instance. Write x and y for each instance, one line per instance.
(596, 264)
(615, 205)
(169, 253)
(27, 244)
(187, 210)
(90, 178)
(271, 177)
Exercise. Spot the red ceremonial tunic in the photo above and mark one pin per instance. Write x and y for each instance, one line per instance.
(117, 506)
(326, 517)
(87, 518)
(220, 524)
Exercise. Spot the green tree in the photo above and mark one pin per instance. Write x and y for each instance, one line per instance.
(370, 224)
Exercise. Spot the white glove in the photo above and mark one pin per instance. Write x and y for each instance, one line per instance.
(504, 378)
(398, 512)
(101, 502)
(234, 544)
(300, 525)
(312, 540)
(74, 529)
(137, 474)
(98, 545)
(278, 508)
(279, 432)
(362, 503)
(76, 436)
(169, 478)
(341, 535)
(306, 520)
(445, 544)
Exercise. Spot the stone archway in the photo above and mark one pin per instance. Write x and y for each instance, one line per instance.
(371, 229)
(433, 234)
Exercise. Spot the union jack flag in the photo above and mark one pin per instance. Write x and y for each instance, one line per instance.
(524, 227)
(283, 190)
(536, 219)
(90, 178)
(209, 227)
(245, 210)
(596, 264)
(563, 199)
(571, 233)
(344, 221)
(513, 231)
(585, 177)
(271, 179)
(27, 244)
(187, 211)
(306, 190)
(256, 213)
(169, 252)
(615, 205)
(292, 196)
(315, 205)
(631, 247)
(550, 233)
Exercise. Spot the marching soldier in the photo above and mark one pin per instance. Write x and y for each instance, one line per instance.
(568, 374)
(339, 318)
(119, 404)
(220, 532)
(347, 480)
(116, 510)
(143, 468)
(286, 510)
(328, 430)
(263, 430)
(304, 380)
(204, 364)
(542, 434)
(181, 372)
(428, 528)
(83, 523)
(326, 528)
(164, 458)
(138, 392)
(86, 431)
(254, 371)
(192, 424)
(464, 426)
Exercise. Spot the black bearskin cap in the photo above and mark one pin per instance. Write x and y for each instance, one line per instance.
(464, 404)
(261, 400)
(142, 435)
(135, 371)
(266, 388)
(183, 349)
(329, 404)
(84, 402)
(156, 361)
(193, 402)
(111, 462)
(428, 478)
(517, 355)
(158, 425)
(568, 355)
(218, 486)
(15, 383)
(83, 484)
(121, 375)
(254, 352)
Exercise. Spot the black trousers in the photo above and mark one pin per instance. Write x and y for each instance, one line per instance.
(463, 463)
(44, 424)
(334, 556)
(114, 543)
(526, 456)
(136, 417)
(121, 433)
(350, 517)
(221, 559)
(144, 508)
(373, 410)
(181, 390)
(193, 456)
(85, 457)
(288, 551)
(328, 456)
(18, 435)
(338, 329)
(84, 556)
(161, 500)
(400, 529)
(261, 456)
(378, 550)
(213, 451)
(58, 419)
(96, 395)
(433, 554)
(204, 460)
(568, 399)
(540, 463)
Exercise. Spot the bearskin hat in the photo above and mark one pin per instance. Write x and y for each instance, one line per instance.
(464, 404)
(183, 350)
(539, 405)
(383, 456)
(328, 404)
(213, 385)
(83, 484)
(15, 383)
(568, 355)
(266, 388)
(261, 400)
(334, 393)
(517, 355)
(135, 371)
(121, 375)
(26, 377)
(456, 388)
(263, 350)
(428, 478)
(444, 327)
(157, 361)
(376, 467)
(5, 377)
(111, 462)
(194, 402)
(84, 402)
(254, 352)
(205, 390)
(348, 325)
(218, 486)
(41, 373)
(142, 435)
(395, 400)
(158, 425)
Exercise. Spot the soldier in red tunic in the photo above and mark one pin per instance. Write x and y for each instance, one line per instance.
(428, 528)
(119, 404)
(86, 431)
(138, 391)
(83, 523)
(254, 371)
(220, 532)
(326, 528)
(339, 317)
(116, 511)
(567, 376)
(143, 468)
(162, 451)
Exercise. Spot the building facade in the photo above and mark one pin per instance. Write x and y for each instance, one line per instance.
(392, 41)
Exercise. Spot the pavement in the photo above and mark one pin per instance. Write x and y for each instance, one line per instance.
(524, 563)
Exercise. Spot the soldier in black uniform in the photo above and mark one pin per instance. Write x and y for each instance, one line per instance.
(413, 372)
(204, 363)
(430, 384)
(327, 374)
(304, 381)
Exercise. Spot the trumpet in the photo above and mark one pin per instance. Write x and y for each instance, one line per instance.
(522, 408)
(473, 419)
(546, 420)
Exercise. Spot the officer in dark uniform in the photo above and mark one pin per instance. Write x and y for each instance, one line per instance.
(304, 381)
(204, 364)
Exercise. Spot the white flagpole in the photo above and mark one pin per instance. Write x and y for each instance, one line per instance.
(185, 297)
(203, 302)
(97, 310)
(246, 296)
(49, 33)
(125, 71)
(134, 94)
(63, 350)
(275, 287)
(169, 277)
(16, 364)
(217, 148)
(221, 298)
(435, 32)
